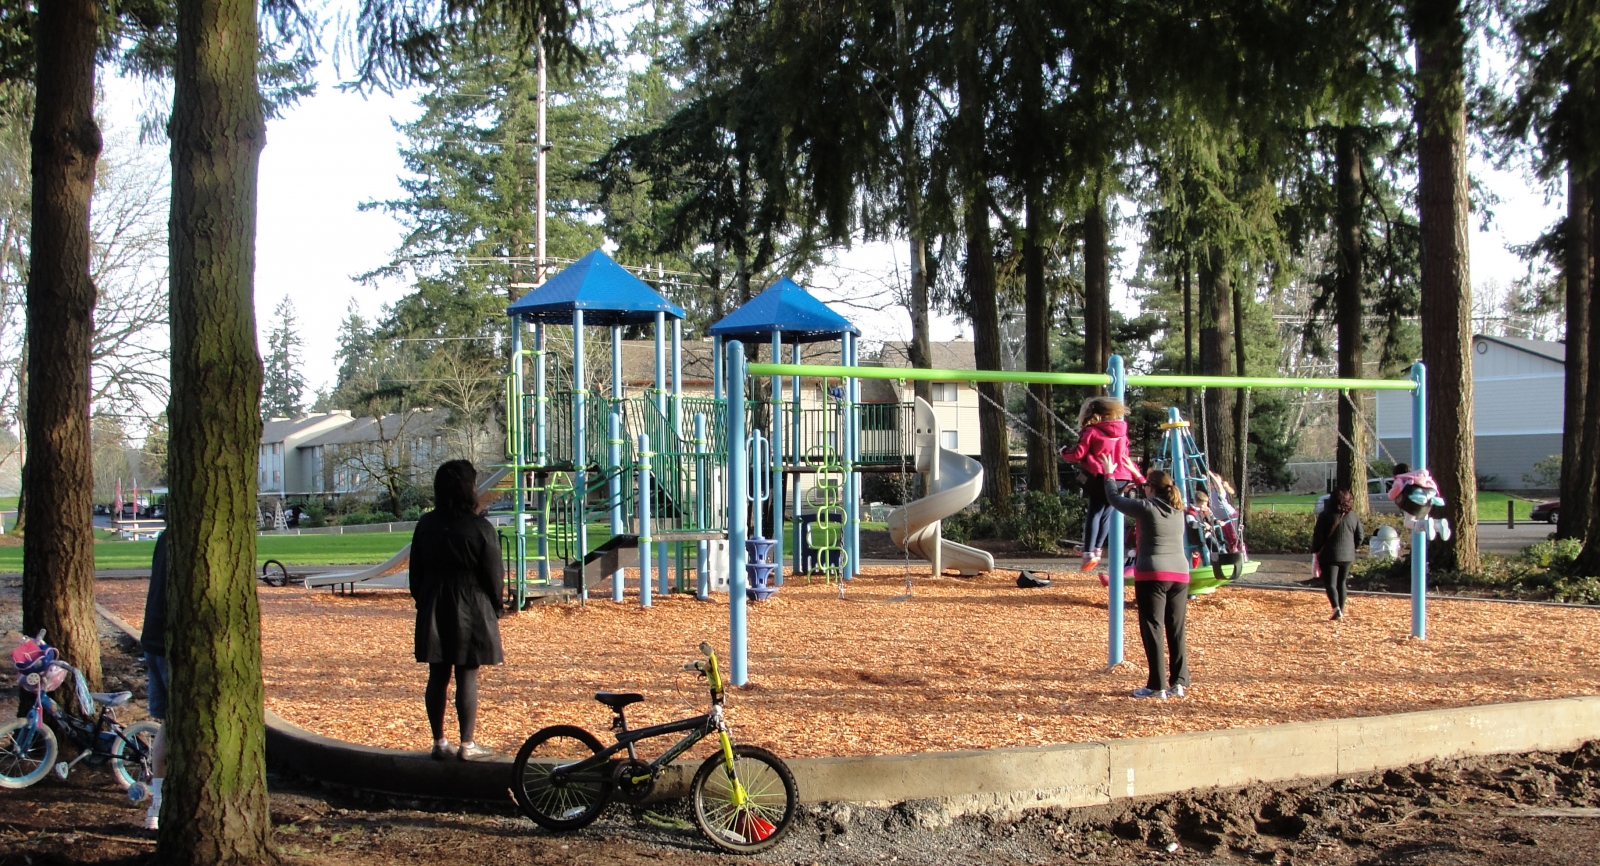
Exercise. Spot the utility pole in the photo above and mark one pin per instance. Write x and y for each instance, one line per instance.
(541, 148)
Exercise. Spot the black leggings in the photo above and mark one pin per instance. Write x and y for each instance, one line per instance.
(466, 698)
(1163, 607)
(1337, 575)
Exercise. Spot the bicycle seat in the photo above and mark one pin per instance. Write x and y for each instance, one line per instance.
(617, 700)
(111, 699)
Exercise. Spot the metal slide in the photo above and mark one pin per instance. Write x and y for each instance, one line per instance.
(954, 481)
(394, 572)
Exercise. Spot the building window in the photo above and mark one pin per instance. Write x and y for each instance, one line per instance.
(276, 476)
(950, 439)
(944, 392)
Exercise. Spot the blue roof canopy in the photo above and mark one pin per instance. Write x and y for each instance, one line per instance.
(605, 292)
(788, 309)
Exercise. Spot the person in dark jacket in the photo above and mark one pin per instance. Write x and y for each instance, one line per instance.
(456, 579)
(158, 676)
(1160, 579)
(1333, 542)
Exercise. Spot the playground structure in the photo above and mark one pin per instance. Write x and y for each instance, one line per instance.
(603, 482)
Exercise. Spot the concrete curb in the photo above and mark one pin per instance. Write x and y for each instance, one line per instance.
(1006, 782)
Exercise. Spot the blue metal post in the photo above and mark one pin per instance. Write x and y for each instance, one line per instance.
(797, 455)
(776, 463)
(854, 387)
(738, 480)
(643, 512)
(663, 570)
(614, 489)
(677, 378)
(717, 372)
(1419, 535)
(1115, 555)
(702, 510)
(580, 479)
(846, 444)
(518, 448)
(542, 502)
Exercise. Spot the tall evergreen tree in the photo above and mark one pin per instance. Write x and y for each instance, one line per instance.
(1438, 27)
(283, 387)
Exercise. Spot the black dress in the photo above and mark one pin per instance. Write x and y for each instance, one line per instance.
(457, 579)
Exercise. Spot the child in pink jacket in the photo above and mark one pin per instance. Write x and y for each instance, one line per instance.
(1103, 433)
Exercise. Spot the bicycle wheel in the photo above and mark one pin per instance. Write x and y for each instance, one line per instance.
(749, 809)
(26, 753)
(130, 755)
(555, 800)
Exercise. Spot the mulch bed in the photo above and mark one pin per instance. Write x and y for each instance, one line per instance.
(966, 663)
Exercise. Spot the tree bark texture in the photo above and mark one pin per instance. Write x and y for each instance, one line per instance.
(1578, 459)
(1440, 34)
(1043, 472)
(982, 308)
(58, 476)
(1216, 355)
(1351, 455)
(1188, 334)
(1096, 290)
(215, 808)
(1578, 455)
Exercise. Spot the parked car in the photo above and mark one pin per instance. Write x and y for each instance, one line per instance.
(1547, 511)
(1377, 498)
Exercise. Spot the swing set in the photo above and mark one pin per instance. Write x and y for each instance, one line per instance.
(738, 371)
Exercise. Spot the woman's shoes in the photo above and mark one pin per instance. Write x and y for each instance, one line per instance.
(474, 752)
(1338, 614)
(1146, 692)
(443, 752)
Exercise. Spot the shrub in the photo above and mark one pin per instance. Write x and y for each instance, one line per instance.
(1552, 552)
(1279, 532)
(412, 514)
(1038, 519)
(1546, 472)
(364, 518)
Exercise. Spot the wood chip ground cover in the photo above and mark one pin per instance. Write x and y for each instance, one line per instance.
(965, 663)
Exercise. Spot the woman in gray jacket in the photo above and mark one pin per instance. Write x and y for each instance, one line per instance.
(1160, 581)
(1334, 541)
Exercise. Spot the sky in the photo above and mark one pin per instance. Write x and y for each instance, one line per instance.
(336, 150)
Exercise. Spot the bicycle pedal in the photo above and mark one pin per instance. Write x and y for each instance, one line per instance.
(62, 768)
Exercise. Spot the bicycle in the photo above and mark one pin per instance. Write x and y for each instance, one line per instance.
(744, 796)
(28, 745)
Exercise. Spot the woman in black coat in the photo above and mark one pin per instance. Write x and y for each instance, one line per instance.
(456, 579)
(1334, 540)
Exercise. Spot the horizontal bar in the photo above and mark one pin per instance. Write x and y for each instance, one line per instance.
(1027, 378)
(836, 372)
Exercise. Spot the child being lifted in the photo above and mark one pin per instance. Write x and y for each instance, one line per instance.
(1416, 493)
(1104, 434)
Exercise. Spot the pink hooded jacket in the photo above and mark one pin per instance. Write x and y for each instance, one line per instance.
(1099, 439)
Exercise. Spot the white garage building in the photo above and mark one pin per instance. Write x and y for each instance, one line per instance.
(1516, 410)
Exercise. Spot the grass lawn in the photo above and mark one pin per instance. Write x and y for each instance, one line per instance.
(364, 548)
(1491, 506)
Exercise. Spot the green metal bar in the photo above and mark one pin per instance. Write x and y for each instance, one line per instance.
(897, 373)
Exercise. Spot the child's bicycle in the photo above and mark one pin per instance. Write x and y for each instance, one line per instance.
(28, 746)
(744, 796)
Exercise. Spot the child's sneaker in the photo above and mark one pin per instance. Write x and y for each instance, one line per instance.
(1105, 580)
(1091, 561)
(1444, 528)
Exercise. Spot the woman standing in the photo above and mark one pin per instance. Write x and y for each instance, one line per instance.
(456, 579)
(1160, 580)
(1333, 542)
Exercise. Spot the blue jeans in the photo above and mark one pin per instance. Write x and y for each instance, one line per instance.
(1097, 522)
(159, 679)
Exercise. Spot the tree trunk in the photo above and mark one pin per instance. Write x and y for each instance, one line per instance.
(1096, 290)
(1188, 333)
(1577, 452)
(1351, 455)
(1241, 408)
(1440, 34)
(215, 808)
(920, 350)
(1042, 460)
(982, 309)
(58, 477)
(1216, 352)
(1589, 558)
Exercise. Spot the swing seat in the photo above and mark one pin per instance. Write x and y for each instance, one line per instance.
(1223, 570)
